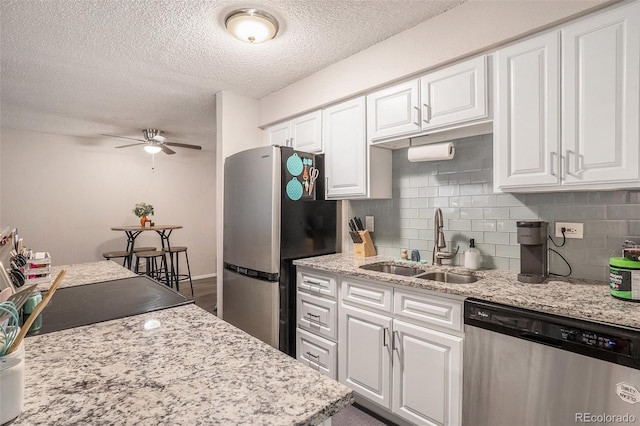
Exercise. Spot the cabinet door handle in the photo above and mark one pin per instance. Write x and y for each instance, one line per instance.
(552, 167)
(384, 336)
(291, 142)
(577, 169)
(417, 114)
(427, 114)
(326, 186)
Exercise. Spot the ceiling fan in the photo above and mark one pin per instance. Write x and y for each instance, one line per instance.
(154, 141)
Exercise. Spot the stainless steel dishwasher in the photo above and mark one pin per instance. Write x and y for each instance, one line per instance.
(526, 368)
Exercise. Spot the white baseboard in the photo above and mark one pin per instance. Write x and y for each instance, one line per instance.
(200, 277)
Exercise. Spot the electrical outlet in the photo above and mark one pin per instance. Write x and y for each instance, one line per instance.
(368, 221)
(571, 230)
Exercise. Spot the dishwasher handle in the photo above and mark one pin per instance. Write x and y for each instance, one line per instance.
(537, 338)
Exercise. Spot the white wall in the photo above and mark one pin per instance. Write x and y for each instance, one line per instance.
(65, 193)
(237, 130)
(473, 27)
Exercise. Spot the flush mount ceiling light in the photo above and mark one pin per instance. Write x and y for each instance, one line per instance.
(251, 25)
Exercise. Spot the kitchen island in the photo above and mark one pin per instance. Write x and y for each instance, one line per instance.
(577, 298)
(175, 366)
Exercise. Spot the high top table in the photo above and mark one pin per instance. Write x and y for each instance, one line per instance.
(163, 230)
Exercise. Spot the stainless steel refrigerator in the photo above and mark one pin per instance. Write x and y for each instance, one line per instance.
(273, 214)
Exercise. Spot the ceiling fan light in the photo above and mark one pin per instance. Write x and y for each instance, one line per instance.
(152, 149)
(251, 25)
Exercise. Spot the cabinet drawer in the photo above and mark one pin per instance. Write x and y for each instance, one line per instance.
(317, 314)
(316, 282)
(428, 309)
(317, 353)
(366, 294)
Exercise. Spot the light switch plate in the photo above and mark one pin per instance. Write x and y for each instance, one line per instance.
(572, 230)
(368, 223)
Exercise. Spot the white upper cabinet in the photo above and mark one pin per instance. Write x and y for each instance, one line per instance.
(455, 94)
(600, 89)
(303, 133)
(352, 168)
(571, 123)
(527, 119)
(445, 99)
(394, 111)
(279, 134)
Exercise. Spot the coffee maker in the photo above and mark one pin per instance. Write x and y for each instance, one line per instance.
(532, 237)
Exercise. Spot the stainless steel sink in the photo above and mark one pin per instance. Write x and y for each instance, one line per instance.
(449, 277)
(388, 268)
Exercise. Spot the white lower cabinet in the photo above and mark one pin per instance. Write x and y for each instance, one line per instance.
(316, 352)
(402, 350)
(365, 353)
(427, 375)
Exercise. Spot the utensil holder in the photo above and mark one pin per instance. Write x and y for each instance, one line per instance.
(12, 385)
(366, 248)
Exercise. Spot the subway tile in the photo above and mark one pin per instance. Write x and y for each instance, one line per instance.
(484, 225)
(471, 213)
(408, 192)
(448, 166)
(609, 197)
(419, 223)
(634, 197)
(540, 199)
(634, 227)
(459, 225)
(496, 213)
(580, 197)
(623, 211)
(408, 233)
(504, 225)
(448, 190)
(524, 213)
(484, 201)
(588, 212)
(460, 201)
(486, 249)
(482, 176)
(605, 227)
(418, 244)
(471, 189)
(507, 200)
(513, 238)
(418, 181)
(514, 265)
(428, 191)
(402, 203)
(439, 202)
(497, 238)
(419, 202)
(512, 252)
(554, 213)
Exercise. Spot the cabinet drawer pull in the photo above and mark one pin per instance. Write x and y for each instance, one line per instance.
(313, 356)
(384, 336)
(312, 318)
(310, 282)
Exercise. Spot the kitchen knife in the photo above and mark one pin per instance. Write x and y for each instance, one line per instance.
(352, 225)
(355, 236)
(359, 223)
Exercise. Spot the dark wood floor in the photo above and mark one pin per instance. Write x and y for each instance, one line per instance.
(205, 291)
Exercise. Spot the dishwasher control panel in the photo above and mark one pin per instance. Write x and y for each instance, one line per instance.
(608, 342)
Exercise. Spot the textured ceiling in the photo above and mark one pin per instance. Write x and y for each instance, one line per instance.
(86, 67)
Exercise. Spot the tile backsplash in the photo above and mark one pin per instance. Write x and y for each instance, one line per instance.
(463, 189)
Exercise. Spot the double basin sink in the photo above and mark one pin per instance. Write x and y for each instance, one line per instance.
(409, 271)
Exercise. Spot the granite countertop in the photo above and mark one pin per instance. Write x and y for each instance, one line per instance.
(175, 366)
(87, 273)
(582, 299)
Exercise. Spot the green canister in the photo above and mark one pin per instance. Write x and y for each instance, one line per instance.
(28, 308)
(624, 278)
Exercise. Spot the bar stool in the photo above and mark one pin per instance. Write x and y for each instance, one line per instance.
(124, 255)
(151, 264)
(176, 276)
(135, 262)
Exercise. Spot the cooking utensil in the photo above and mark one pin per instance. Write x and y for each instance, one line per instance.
(355, 236)
(313, 175)
(294, 165)
(21, 296)
(294, 189)
(359, 223)
(37, 311)
(352, 225)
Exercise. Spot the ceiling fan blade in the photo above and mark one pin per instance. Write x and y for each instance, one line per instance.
(167, 150)
(183, 145)
(131, 144)
(124, 137)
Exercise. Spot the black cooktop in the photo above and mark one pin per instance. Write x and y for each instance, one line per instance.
(92, 303)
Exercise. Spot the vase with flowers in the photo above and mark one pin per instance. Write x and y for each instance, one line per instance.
(142, 210)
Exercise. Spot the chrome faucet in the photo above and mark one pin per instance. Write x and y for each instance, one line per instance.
(439, 242)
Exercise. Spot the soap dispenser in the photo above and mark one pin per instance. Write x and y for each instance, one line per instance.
(472, 256)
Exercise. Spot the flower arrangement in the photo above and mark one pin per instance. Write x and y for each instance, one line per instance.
(143, 209)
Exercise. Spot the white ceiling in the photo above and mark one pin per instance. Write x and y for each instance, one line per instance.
(86, 67)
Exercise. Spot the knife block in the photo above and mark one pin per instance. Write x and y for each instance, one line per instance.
(365, 248)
